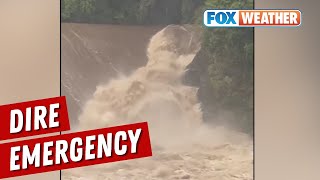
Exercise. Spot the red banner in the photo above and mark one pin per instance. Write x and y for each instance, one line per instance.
(74, 149)
(34, 118)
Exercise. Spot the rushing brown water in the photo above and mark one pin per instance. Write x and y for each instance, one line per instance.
(183, 146)
(94, 54)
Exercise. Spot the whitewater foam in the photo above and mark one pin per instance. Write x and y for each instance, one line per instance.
(184, 147)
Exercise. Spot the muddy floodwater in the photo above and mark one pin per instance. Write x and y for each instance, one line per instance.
(116, 75)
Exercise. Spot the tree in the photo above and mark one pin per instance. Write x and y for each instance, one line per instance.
(76, 10)
(230, 71)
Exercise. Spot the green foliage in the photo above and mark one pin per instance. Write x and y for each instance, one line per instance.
(188, 9)
(77, 9)
(143, 10)
(129, 11)
(230, 70)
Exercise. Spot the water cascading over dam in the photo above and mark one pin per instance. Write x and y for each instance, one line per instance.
(94, 54)
(184, 147)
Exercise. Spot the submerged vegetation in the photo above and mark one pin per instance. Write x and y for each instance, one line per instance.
(226, 77)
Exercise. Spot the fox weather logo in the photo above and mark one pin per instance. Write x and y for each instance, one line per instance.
(221, 18)
(252, 18)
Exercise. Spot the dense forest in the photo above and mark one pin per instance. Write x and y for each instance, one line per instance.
(129, 11)
(223, 68)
